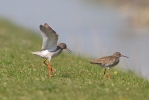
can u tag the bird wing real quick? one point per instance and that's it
(98, 61)
(108, 61)
(50, 37)
(104, 61)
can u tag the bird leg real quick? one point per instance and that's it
(108, 73)
(50, 70)
(45, 62)
(104, 73)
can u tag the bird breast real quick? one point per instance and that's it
(57, 52)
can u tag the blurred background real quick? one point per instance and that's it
(91, 28)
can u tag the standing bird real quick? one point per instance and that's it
(108, 62)
(50, 48)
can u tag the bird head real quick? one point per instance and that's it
(64, 46)
(118, 54)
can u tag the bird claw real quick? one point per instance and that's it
(104, 76)
(50, 76)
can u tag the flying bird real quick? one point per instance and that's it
(108, 62)
(50, 48)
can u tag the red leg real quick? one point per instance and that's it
(104, 73)
(109, 74)
(50, 70)
(45, 62)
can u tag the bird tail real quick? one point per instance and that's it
(37, 53)
(93, 62)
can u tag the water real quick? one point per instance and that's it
(88, 29)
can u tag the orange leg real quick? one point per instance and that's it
(50, 70)
(109, 74)
(45, 62)
(104, 73)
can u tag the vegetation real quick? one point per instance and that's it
(23, 76)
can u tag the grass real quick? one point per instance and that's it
(23, 76)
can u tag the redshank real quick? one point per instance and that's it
(108, 62)
(50, 48)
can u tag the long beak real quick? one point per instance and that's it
(69, 50)
(124, 56)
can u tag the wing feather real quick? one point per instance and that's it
(50, 37)
(105, 61)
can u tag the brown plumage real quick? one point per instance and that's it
(108, 61)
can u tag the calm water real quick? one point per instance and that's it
(91, 30)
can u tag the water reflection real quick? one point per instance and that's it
(90, 30)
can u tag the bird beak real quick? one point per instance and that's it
(124, 56)
(69, 50)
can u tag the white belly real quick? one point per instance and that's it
(44, 54)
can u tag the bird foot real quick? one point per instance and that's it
(50, 76)
(104, 76)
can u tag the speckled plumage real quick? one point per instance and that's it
(108, 61)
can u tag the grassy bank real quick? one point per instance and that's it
(24, 77)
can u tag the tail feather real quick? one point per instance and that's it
(93, 62)
(37, 53)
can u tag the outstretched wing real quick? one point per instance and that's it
(50, 37)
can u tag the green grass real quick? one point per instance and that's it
(23, 76)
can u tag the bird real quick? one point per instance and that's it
(108, 62)
(50, 48)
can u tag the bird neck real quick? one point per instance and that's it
(118, 59)
(57, 51)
